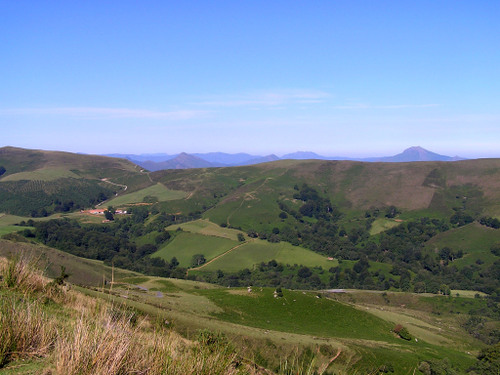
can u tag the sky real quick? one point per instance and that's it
(339, 78)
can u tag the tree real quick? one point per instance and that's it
(445, 289)
(391, 212)
(488, 360)
(304, 272)
(109, 215)
(252, 233)
(197, 260)
(402, 332)
(2, 170)
(241, 237)
(162, 237)
(279, 292)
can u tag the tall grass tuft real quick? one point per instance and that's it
(25, 330)
(103, 340)
(106, 345)
(95, 346)
(22, 273)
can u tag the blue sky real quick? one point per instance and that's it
(348, 78)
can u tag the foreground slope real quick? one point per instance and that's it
(340, 333)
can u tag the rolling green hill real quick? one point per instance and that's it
(38, 183)
(245, 196)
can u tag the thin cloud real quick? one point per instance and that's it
(389, 106)
(100, 112)
(268, 98)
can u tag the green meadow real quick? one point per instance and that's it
(382, 224)
(256, 251)
(185, 245)
(473, 239)
(157, 192)
(207, 228)
(4, 229)
(43, 174)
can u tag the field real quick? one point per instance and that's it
(474, 240)
(44, 174)
(4, 229)
(207, 228)
(10, 219)
(254, 252)
(156, 192)
(271, 327)
(185, 245)
(382, 224)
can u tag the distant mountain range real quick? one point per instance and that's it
(156, 162)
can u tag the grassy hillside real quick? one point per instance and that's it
(474, 240)
(47, 329)
(246, 196)
(151, 194)
(207, 228)
(81, 271)
(251, 254)
(185, 245)
(37, 183)
(332, 333)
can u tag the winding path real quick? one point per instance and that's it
(248, 194)
(125, 187)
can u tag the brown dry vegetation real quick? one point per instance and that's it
(359, 184)
(92, 336)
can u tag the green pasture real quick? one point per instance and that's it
(471, 238)
(6, 219)
(11, 228)
(185, 245)
(382, 224)
(253, 207)
(297, 312)
(257, 251)
(159, 191)
(474, 240)
(207, 228)
(467, 293)
(148, 238)
(44, 174)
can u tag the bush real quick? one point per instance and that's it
(402, 332)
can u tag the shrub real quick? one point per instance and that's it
(402, 332)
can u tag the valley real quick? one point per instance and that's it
(310, 262)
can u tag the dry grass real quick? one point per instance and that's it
(106, 345)
(22, 273)
(25, 330)
(98, 338)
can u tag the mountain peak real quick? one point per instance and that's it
(416, 153)
(416, 148)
